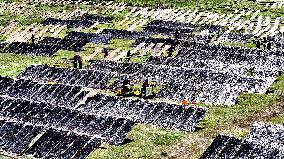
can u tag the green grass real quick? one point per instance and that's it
(12, 65)
(242, 133)
(99, 57)
(148, 142)
(278, 86)
(10, 1)
(120, 27)
(5, 157)
(139, 59)
(157, 88)
(120, 15)
(2, 38)
(211, 5)
(35, 15)
(277, 120)
(104, 26)
(121, 43)
(64, 32)
(175, 3)
(250, 44)
(218, 119)
(7, 17)
(87, 50)
(28, 20)
(40, 7)
(91, 48)
(247, 104)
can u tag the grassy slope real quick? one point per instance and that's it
(220, 119)
(147, 141)
(277, 119)
(12, 65)
(151, 142)
(174, 3)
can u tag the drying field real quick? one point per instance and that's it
(201, 52)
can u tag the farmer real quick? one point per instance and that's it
(125, 86)
(177, 35)
(33, 40)
(170, 51)
(144, 87)
(264, 42)
(77, 59)
(268, 45)
(105, 51)
(128, 55)
(257, 43)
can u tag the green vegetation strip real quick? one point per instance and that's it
(277, 119)
(148, 141)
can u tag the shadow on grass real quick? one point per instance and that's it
(198, 128)
(127, 141)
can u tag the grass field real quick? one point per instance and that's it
(146, 141)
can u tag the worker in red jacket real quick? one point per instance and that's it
(184, 102)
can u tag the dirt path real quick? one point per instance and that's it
(264, 115)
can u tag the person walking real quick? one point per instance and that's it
(33, 40)
(80, 62)
(77, 60)
(105, 51)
